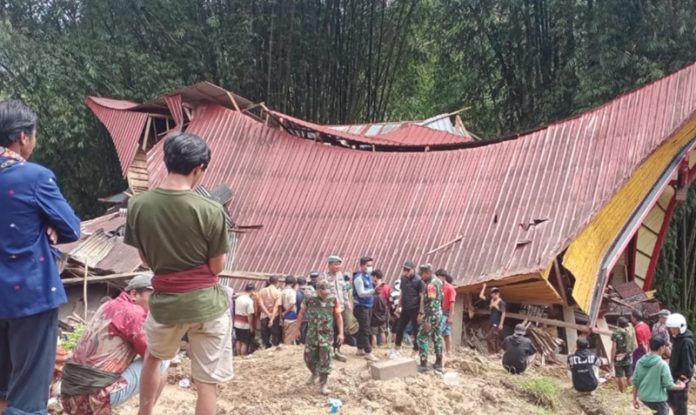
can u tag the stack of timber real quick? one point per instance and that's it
(545, 344)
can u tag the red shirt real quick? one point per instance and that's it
(385, 291)
(642, 334)
(450, 296)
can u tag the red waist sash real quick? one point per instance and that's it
(185, 281)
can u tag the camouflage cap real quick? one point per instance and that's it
(425, 268)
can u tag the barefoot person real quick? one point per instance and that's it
(323, 313)
(182, 237)
(34, 216)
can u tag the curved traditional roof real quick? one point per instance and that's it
(503, 210)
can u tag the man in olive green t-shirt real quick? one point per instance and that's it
(182, 237)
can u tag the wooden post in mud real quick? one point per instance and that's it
(458, 320)
(571, 333)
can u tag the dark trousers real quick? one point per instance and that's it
(407, 316)
(658, 408)
(271, 335)
(303, 332)
(679, 401)
(364, 317)
(493, 340)
(27, 358)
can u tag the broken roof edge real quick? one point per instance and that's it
(524, 288)
(197, 93)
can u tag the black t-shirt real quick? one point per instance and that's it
(411, 288)
(497, 313)
(517, 351)
(581, 365)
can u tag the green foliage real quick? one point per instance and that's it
(69, 340)
(675, 276)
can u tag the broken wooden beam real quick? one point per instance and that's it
(550, 322)
(104, 278)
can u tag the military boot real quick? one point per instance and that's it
(312, 379)
(323, 387)
(438, 364)
(423, 368)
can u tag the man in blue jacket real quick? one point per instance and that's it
(363, 291)
(35, 215)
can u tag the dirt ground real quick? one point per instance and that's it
(272, 382)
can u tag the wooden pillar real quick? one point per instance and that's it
(458, 320)
(604, 339)
(571, 334)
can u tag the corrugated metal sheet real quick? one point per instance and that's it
(406, 135)
(125, 127)
(416, 135)
(441, 122)
(515, 204)
(176, 109)
(201, 93)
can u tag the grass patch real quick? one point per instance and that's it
(544, 392)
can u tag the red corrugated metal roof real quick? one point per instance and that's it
(517, 204)
(407, 135)
(402, 131)
(125, 127)
(415, 135)
(176, 109)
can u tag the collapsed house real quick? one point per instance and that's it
(553, 217)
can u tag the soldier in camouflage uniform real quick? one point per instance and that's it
(429, 319)
(321, 309)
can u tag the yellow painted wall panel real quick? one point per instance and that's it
(654, 219)
(642, 263)
(646, 240)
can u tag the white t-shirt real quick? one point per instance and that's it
(290, 301)
(243, 307)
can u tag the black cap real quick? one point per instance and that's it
(409, 265)
(313, 275)
(495, 290)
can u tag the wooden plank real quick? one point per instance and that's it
(234, 101)
(458, 319)
(571, 333)
(550, 322)
(604, 337)
(559, 281)
(446, 244)
(104, 278)
(147, 132)
(256, 276)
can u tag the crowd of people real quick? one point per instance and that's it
(372, 313)
(128, 344)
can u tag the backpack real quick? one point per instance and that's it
(380, 311)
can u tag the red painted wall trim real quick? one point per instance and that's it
(655, 257)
